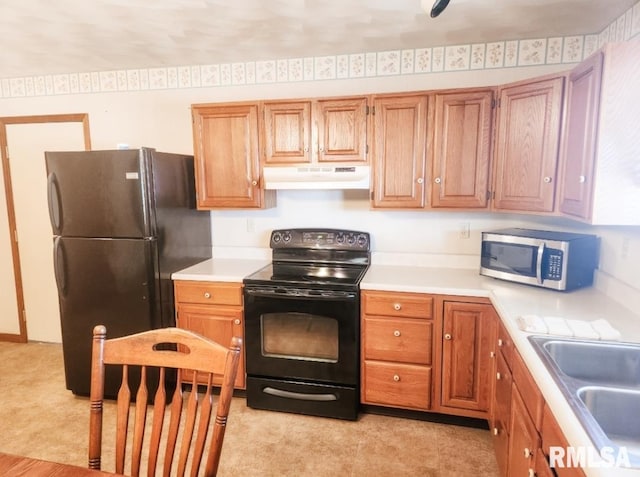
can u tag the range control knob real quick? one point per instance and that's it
(287, 237)
(276, 237)
(340, 238)
(351, 239)
(362, 240)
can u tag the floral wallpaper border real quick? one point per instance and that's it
(502, 54)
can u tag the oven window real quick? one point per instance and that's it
(302, 336)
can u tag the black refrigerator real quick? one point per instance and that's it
(123, 221)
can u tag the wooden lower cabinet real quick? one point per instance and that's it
(501, 413)
(214, 310)
(524, 440)
(397, 356)
(468, 341)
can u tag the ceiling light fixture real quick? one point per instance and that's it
(438, 7)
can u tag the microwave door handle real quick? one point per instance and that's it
(539, 263)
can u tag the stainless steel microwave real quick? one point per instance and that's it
(557, 260)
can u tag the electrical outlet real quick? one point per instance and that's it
(465, 230)
(250, 225)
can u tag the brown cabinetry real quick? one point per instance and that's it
(468, 340)
(323, 130)
(397, 339)
(599, 153)
(227, 161)
(527, 144)
(399, 151)
(214, 310)
(461, 148)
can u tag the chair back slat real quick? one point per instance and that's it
(159, 403)
(140, 419)
(122, 419)
(189, 410)
(203, 427)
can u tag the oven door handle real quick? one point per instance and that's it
(300, 293)
(299, 396)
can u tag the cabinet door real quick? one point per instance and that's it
(342, 129)
(501, 413)
(227, 164)
(287, 132)
(217, 323)
(468, 335)
(400, 125)
(524, 441)
(527, 143)
(580, 137)
(461, 149)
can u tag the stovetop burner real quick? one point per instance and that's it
(323, 258)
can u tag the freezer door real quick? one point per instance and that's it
(103, 281)
(99, 193)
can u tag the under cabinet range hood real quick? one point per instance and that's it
(316, 177)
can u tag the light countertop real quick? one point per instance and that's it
(510, 301)
(220, 270)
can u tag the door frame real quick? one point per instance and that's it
(6, 172)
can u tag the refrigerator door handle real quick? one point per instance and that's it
(59, 266)
(55, 208)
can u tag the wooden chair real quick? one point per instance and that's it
(189, 414)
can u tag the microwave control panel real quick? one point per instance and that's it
(554, 264)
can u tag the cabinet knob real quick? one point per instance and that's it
(492, 354)
(396, 378)
(547, 180)
(236, 321)
(321, 148)
(582, 179)
(207, 295)
(527, 453)
(306, 149)
(495, 431)
(420, 180)
(531, 473)
(500, 343)
(396, 333)
(397, 306)
(498, 376)
(437, 180)
(447, 336)
(254, 183)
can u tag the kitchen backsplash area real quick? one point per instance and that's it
(430, 239)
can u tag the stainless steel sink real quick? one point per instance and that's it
(601, 381)
(608, 363)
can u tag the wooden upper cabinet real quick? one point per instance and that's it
(527, 144)
(399, 155)
(579, 145)
(324, 130)
(287, 132)
(600, 179)
(342, 129)
(461, 148)
(227, 161)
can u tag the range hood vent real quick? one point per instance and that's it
(316, 177)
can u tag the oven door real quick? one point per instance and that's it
(302, 334)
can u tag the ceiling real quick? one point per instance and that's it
(43, 37)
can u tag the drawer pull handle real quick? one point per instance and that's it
(396, 333)
(495, 431)
(207, 295)
(236, 321)
(397, 306)
(527, 453)
(448, 336)
(396, 378)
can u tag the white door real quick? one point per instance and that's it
(27, 143)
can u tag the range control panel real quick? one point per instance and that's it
(326, 239)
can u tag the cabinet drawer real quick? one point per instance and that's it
(407, 305)
(399, 385)
(529, 391)
(209, 293)
(404, 340)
